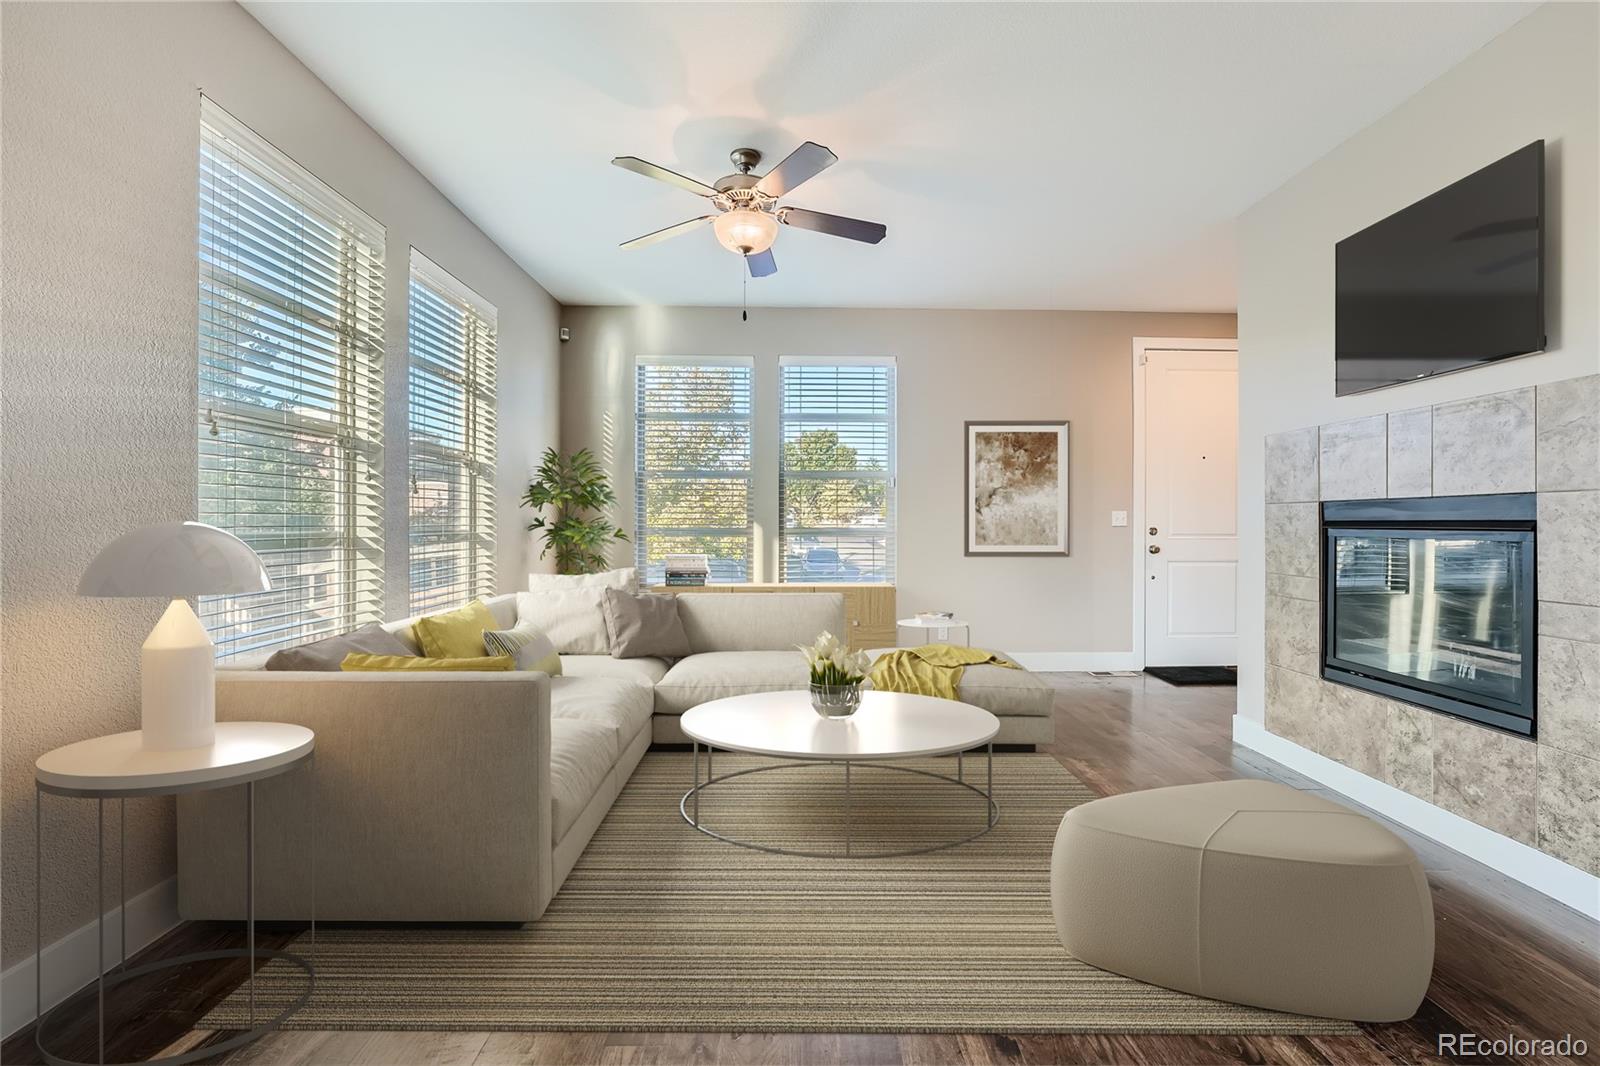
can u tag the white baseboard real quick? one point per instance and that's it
(70, 963)
(1076, 660)
(1561, 882)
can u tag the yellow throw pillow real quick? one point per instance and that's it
(361, 661)
(456, 634)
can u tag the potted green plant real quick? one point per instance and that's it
(578, 528)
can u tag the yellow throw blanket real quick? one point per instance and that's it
(931, 670)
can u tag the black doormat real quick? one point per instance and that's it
(1195, 675)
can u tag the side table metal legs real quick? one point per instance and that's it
(122, 973)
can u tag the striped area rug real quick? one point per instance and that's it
(662, 928)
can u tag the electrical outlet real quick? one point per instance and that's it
(1119, 518)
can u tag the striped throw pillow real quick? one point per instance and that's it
(527, 644)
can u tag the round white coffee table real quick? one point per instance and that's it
(889, 725)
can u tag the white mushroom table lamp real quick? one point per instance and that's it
(177, 671)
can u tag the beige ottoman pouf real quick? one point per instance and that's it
(1247, 891)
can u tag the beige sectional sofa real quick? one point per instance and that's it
(470, 796)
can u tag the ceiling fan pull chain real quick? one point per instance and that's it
(744, 294)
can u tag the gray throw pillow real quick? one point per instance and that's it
(644, 624)
(329, 652)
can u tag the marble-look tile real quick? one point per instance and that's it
(1292, 466)
(1297, 588)
(1570, 620)
(1568, 434)
(1485, 776)
(1569, 696)
(1569, 808)
(1408, 749)
(1354, 458)
(1292, 539)
(1484, 444)
(1356, 727)
(1569, 547)
(1293, 634)
(1293, 711)
(1411, 453)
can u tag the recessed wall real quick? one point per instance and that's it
(952, 366)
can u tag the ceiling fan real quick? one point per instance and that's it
(748, 214)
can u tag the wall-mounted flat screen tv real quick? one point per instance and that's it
(1451, 282)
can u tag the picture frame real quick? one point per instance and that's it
(1017, 498)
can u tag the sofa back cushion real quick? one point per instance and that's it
(758, 621)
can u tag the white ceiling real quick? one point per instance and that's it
(1022, 156)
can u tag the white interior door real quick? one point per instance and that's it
(1191, 514)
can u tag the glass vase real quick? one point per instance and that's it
(836, 701)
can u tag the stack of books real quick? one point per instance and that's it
(686, 571)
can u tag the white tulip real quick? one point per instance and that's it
(827, 644)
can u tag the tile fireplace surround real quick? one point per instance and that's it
(1546, 439)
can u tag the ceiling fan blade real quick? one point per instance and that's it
(801, 165)
(670, 231)
(761, 264)
(650, 170)
(833, 225)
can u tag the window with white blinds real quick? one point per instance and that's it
(836, 469)
(451, 336)
(291, 346)
(692, 463)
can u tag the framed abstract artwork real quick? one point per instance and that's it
(1018, 491)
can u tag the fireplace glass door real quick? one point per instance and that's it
(1443, 618)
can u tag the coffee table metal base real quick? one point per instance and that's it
(689, 806)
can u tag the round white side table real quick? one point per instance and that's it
(118, 767)
(942, 629)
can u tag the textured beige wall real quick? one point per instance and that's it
(953, 366)
(100, 141)
(1538, 79)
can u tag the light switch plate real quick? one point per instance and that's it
(1119, 518)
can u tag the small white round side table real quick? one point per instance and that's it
(118, 767)
(941, 628)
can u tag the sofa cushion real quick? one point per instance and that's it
(625, 578)
(646, 671)
(1000, 690)
(758, 621)
(580, 759)
(571, 618)
(456, 634)
(526, 643)
(621, 706)
(329, 652)
(715, 674)
(643, 624)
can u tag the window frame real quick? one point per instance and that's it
(290, 310)
(889, 476)
(643, 531)
(475, 460)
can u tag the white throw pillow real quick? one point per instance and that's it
(572, 618)
(528, 644)
(624, 579)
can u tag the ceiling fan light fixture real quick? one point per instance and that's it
(745, 230)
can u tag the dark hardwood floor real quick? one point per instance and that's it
(1509, 962)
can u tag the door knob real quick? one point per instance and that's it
(1155, 549)
(1153, 531)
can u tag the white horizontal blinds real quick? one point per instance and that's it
(692, 463)
(836, 469)
(290, 404)
(451, 336)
